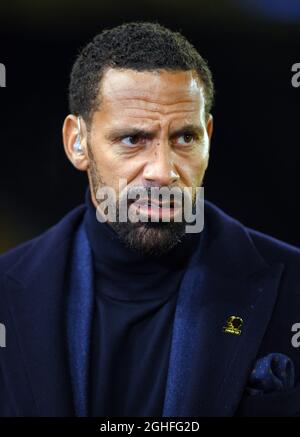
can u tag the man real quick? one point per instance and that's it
(111, 317)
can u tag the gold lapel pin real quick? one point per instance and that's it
(233, 325)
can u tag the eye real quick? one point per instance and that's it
(131, 140)
(186, 139)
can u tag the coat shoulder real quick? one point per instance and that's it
(54, 235)
(270, 248)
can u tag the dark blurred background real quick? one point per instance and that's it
(250, 46)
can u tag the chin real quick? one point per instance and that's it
(151, 238)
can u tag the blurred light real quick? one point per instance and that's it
(279, 10)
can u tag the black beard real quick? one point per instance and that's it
(150, 238)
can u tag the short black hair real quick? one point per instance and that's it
(140, 46)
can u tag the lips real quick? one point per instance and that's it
(147, 202)
(166, 211)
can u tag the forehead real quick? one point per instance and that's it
(160, 91)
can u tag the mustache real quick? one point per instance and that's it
(153, 191)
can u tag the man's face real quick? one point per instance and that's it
(151, 130)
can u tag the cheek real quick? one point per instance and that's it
(198, 174)
(193, 169)
(112, 168)
(200, 163)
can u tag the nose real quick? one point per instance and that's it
(160, 170)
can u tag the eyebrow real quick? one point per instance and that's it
(188, 128)
(120, 132)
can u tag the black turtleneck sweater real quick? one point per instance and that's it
(135, 301)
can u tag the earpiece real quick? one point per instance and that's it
(77, 147)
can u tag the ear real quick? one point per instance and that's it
(209, 126)
(70, 133)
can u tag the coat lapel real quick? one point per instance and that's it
(37, 298)
(208, 368)
(79, 319)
